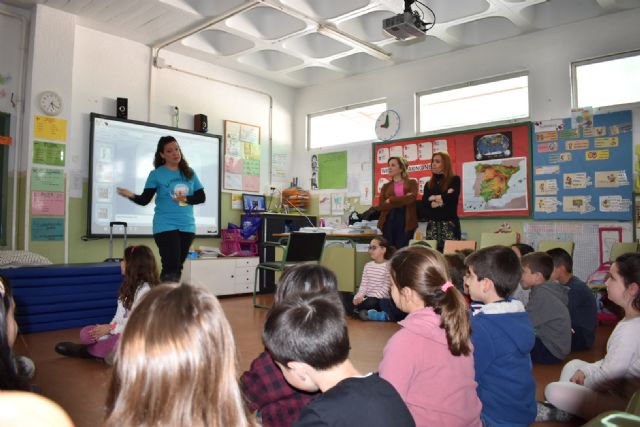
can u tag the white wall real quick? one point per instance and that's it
(547, 55)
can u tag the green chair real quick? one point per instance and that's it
(633, 407)
(297, 248)
(545, 245)
(620, 248)
(493, 239)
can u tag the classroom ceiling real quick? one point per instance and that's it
(306, 42)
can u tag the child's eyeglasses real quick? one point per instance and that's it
(373, 248)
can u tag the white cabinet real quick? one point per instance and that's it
(221, 276)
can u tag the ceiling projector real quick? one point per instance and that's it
(405, 26)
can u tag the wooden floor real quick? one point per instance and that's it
(80, 386)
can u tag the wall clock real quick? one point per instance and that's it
(387, 125)
(50, 103)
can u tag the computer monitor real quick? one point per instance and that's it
(254, 203)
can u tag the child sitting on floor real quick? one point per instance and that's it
(430, 360)
(502, 339)
(263, 385)
(307, 338)
(373, 293)
(176, 364)
(99, 341)
(548, 309)
(588, 389)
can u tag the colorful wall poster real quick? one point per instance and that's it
(594, 168)
(47, 229)
(241, 156)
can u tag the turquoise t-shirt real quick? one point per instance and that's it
(171, 215)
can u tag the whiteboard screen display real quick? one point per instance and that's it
(121, 155)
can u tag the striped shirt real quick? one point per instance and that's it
(375, 280)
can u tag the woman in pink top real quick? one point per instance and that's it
(430, 361)
(398, 218)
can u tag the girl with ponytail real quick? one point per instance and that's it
(430, 361)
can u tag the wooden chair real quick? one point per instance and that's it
(450, 246)
(299, 248)
(545, 245)
(620, 248)
(493, 239)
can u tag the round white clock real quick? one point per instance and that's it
(50, 103)
(387, 125)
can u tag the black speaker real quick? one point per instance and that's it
(122, 108)
(200, 123)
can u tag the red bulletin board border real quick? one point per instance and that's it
(460, 148)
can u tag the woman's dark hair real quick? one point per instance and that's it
(425, 271)
(9, 377)
(447, 173)
(384, 243)
(140, 268)
(457, 269)
(159, 161)
(629, 268)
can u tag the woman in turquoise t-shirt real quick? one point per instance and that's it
(178, 188)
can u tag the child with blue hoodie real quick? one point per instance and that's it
(502, 338)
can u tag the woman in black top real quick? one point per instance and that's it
(440, 201)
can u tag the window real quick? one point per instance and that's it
(489, 101)
(347, 125)
(606, 81)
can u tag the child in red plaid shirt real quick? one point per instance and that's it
(263, 385)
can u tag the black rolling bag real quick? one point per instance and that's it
(124, 226)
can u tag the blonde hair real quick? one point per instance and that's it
(404, 165)
(176, 364)
(425, 271)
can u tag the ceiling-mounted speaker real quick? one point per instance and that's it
(200, 123)
(122, 108)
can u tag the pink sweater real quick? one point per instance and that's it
(438, 388)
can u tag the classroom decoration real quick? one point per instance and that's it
(583, 172)
(586, 236)
(332, 169)
(241, 156)
(492, 164)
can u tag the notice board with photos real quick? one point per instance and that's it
(583, 167)
(492, 163)
(241, 156)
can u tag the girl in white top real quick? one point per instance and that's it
(140, 274)
(375, 283)
(588, 389)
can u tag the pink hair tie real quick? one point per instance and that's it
(446, 286)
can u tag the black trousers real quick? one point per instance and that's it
(174, 247)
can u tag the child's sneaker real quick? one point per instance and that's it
(25, 367)
(363, 315)
(547, 412)
(379, 316)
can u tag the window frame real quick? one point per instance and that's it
(471, 83)
(337, 110)
(596, 60)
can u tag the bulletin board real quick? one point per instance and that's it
(582, 169)
(493, 165)
(241, 156)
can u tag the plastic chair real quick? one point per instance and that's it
(299, 248)
(620, 248)
(493, 239)
(633, 407)
(450, 246)
(614, 418)
(433, 244)
(545, 245)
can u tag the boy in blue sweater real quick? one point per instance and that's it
(502, 339)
